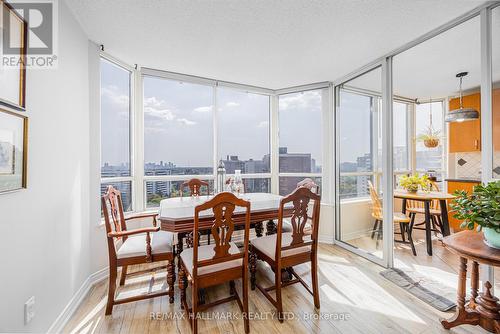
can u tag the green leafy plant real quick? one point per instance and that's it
(481, 208)
(413, 182)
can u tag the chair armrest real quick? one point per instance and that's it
(145, 215)
(132, 232)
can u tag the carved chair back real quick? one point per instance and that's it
(310, 184)
(114, 219)
(194, 186)
(305, 217)
(377, 212)
(223, 208)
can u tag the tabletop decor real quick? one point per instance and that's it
(221, 177)
(480, 210)
(411, 183)
(13, 149)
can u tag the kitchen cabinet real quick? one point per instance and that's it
(454, 185)
(466, 136)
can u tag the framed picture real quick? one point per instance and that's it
(12, 68)
(13, 151)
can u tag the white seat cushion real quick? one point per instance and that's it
(207, 252)
(135, 245)
(267, 245)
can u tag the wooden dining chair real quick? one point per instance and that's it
(309, 184)
(209, 265)
(414, 208)
(195, 187)
(285, 250)
(128, 247)
(399, 218)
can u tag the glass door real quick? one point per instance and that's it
(361, 221)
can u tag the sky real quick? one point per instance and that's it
(178, 122)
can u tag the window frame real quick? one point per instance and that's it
(132, 126)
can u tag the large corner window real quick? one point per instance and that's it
(300, 137)
(115, 134)
(178, 135)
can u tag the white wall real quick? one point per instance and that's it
(44, 230)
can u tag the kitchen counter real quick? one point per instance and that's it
(464, 179)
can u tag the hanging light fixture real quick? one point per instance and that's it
(462, 114)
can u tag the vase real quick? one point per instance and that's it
(412, 190)
(491, 237)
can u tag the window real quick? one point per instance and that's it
(356, 125)
(429, 159)
(158, 190)
(178, 127)
(401, 150)
(300, 136)
(115, 137)
(243, 131)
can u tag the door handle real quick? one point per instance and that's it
(476, 144)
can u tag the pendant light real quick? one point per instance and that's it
(462, 114)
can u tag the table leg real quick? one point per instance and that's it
(428, 238)
(462, 316)
(474, 279)
(271, 227)
(403, 206)
(444, 218)
(259, 228)
(180, 247)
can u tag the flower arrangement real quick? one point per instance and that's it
(480, 210)
(430, 137)
(413, 182)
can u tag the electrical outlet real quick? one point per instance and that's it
(29, 310)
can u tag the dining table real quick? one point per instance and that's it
(427, 197)
(177, 215)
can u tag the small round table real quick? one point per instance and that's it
(482, 309)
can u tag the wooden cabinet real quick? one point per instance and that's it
(496, 119)
(466, 136)
(452, 187)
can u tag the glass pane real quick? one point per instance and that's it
(495, 20)
(158, 190)
(243, 125)
(400, 136)
(257, 185)
(354, 186)
(115, 120)
(289, 183)
(300, 131)
(178, 128)
(360, 132)
(125, 189)
(428, 158)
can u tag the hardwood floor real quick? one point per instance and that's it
(354, 299)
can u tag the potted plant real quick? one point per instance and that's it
(413, 182)
(480, 210)
(430, 137)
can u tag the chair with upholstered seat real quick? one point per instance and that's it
(285, 250)
(398, 218)
(128, 247)
(209, 265)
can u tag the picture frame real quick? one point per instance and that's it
(13, 80)
(13, 151)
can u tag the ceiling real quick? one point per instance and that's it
(272, 44)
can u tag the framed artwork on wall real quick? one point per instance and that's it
(13, 151)
(12, 67)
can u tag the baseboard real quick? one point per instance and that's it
(63, 318)
(326, 239)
